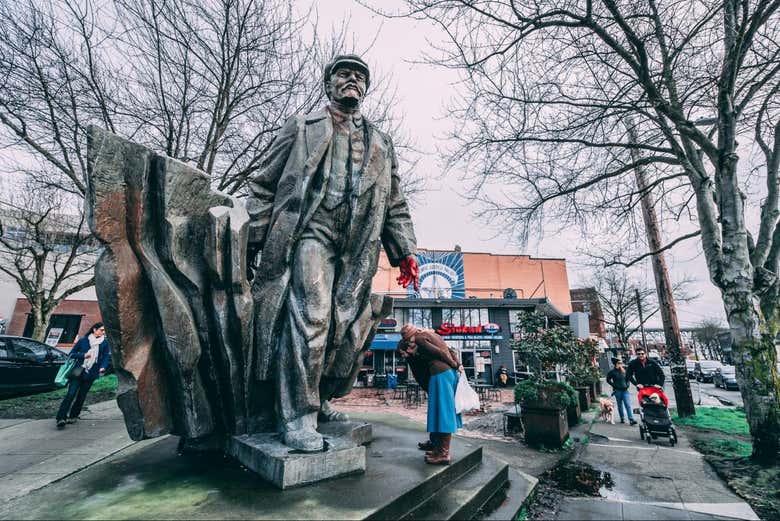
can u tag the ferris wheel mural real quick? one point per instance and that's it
(441, 275)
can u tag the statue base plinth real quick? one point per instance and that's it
(360, 432)
(265, 454)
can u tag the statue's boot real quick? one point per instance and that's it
(328, 414)
(301, 434)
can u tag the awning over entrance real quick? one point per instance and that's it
(385, 341)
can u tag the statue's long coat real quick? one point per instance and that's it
(283, 200)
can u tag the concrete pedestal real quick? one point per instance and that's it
(265, 454)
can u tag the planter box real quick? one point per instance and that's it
(584, 398)
(593, 394)
(545, 427)
(573, 414)
(599, 390)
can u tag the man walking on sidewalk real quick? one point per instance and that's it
(647, 375)
(617, 379)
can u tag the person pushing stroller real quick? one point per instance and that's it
(647, 376)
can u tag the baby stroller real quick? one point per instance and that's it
(655, 422)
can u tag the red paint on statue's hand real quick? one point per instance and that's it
(410, 272)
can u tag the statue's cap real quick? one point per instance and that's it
(347, 60)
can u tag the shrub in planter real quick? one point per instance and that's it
(582, 370)
(544, 402)
(547, 394)
(573, 414)
(584, 397)
(544, 405)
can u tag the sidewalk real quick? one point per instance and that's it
(652, 481)
(34, 453)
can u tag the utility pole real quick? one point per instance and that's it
(641, 319)
(663, 285)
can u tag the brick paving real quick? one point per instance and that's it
(487, 425)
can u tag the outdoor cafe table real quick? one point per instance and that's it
(482, 390)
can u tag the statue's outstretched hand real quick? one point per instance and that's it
(410, 272)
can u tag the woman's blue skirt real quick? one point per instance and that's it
(441, 403)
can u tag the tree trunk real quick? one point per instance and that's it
(755, 359)
(40, 322)
(663, 285)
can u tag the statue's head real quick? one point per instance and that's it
(346, 79)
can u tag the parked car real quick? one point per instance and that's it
(705, 369)
(690, 365)
(726, 377)
(27, 366)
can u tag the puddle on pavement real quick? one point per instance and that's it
(580, 478)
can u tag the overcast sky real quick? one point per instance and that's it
(444, 218)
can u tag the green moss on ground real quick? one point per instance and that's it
(722, 419)
(759, 485)
(45, 405)
(722, 436)
(723, 447)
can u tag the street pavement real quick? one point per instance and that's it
(652, 481)
(34, 453)
(704, 394)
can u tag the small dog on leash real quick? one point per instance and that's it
(607, 410)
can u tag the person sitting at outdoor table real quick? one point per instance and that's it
(647, 376)
(436, 370)
(502, 376)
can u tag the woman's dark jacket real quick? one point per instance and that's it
(648, 374)
(104, 356)
(617, 379)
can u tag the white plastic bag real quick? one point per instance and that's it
(466, 398)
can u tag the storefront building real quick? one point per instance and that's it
(462, 297)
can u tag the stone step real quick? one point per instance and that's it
(515, 497)
(462, 499)
(421, 490)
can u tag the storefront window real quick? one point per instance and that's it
(520, 366)
(514, 322)
(465, 317)
(476, 358)
(418, 317)
(388, 362)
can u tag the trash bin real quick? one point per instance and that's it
(392, 381)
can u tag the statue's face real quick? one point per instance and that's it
(347, 86)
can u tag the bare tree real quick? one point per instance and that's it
(621, 296)
(707, 334)
(209, 83)
(694, 77)
(48, 253)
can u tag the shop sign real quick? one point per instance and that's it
(53, 338)
(485, 354)
(447, 328)
(388, 323)
(492, 329)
